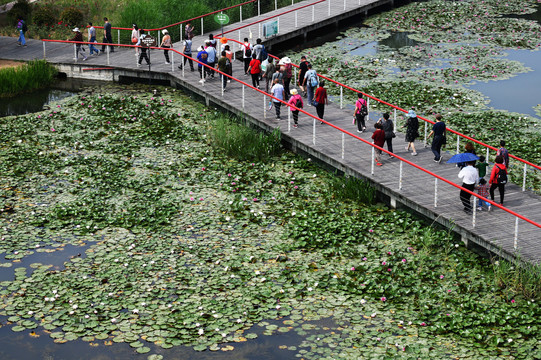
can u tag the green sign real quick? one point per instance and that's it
(221, 19)
(270, 28)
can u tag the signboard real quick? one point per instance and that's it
(147, 40)
(221, 19)
(270, 28)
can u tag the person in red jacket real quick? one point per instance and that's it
(498, 178)
(379, 139)
(255, 70)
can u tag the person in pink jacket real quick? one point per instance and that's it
(295, 100)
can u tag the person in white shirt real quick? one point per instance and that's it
(277, 91)
(469, 176)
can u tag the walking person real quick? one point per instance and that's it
(223, 65)
(167, 44)
(388, 127)
(438, 130)
(213, 41)
(258, 50)
(246, 48)
(482, 166)
(360, 113)
(107, 35)
(468, 148)
(255, 70)
(202, 58)
(295, 100)
(482, 189)
(22, 28)
(504, 153)
(135, 34)
(303, 68)
(92, 39)
(187, 50)
(188, 31)
(78, 47)
(469, 176)
(143, 53)
(378, 138)
(288, 74)
(229, 55)
(498, 178)
(412, 131)
(211, 58)
(268, 74)
(321, 99)
(277, 91)
(310, 81)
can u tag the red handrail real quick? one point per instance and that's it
(405, 111)
(185, 21)
(324, 121)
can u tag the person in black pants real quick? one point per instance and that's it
(107, 36)
(438, 130)
(388, 128)
(494, 181)
(143, 54)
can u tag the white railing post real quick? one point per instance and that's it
(275, 4)
(278, 25)
(258, 8)
(240, 14)
(44, 53)
(296, 19)
(524, 178)
(329, 12)
(515, 241)
(457, 144)
(425, 133)
(184, 66)
(368, 109)
(118, 38)
(202, 32)
(341, 97)
(373, 160)
(243, 96)
(288, 109)
(435, 192)
(344, 4)
(313, 13)
(173, 61)
(74, 53)
(314, 132)
(400, 176)
(222, 83)
(474, 211)
(264, 107)
(343, 145)
(159, 38)
(488, 154)
(180, 32)
(394, 118)
(259, 30)
(108, 57)
(292, 2)
(295, 76)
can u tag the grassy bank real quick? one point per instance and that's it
(36, 74)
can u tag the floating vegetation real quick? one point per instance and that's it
(36, 74)
(189, 247)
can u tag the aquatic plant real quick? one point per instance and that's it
(35, 74)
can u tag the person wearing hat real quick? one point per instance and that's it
(412, 131)
(166, 44)
(295, 100)
(78, 47)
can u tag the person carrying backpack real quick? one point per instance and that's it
(504, 153)
(260, 51)
(246, 54)
(21, 26)
(295, 100)
(498, 178)
(310, 81)
(361, 112)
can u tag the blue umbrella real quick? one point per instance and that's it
(462, 158)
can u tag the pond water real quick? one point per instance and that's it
(33, 102)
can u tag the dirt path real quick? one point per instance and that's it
(10, 63)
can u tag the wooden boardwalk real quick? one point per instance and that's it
(493, 231)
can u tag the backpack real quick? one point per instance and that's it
(263, 55)
(25, 28)
(288, 70)
(298, 103)
(313, 80)
(247, 51)
(364, 109)
(501, 176)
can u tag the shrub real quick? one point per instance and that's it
(72, 16)
(351, 188)
(243, 143)
(43, 15)
(35, 75)
(21, 9)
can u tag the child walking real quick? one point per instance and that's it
(482, 189)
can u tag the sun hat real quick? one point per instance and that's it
(411, 114)
(76, 29)
(294, 92)
(164, 31)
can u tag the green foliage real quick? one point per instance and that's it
(242, 143)
(36, 74)
(518, 278)
(21, 9)
(43, 16)
(72, 16)
(351, 188)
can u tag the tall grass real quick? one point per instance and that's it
(34, 75)
(518, 277)
(243, 143)
(351, 188)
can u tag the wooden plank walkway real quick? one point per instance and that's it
(493, 231)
